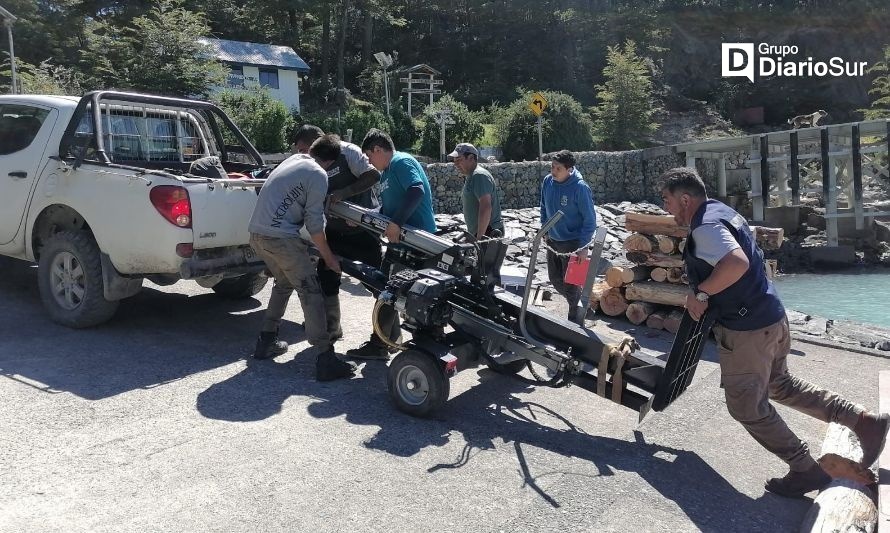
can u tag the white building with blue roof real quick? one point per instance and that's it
(277, 68)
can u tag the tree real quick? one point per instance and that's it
(565, 126)
(263, 119)
(880, 88)
(624, 114)
(44, 78)
(157, 52)
(467, 127)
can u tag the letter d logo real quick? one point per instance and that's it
(738, 60)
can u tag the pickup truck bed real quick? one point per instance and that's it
(98, 192)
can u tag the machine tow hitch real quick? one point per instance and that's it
(458, 319)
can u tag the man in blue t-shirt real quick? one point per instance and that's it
(565, 190)
(406, 198)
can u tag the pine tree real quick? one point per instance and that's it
(880, 89)
(623, 118)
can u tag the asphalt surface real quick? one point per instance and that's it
(157, 422)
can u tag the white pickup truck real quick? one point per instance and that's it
(101, 192)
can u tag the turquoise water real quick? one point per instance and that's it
(860, 297)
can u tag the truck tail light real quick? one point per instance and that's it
(172, 202)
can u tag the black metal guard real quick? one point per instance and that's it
(683, 360)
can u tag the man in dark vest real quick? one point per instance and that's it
(727, 277)
(350, 178)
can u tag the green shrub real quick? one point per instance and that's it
(566, 126)
(467, 127)
(263, 119)
(362, 118)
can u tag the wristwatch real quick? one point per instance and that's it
(701, 296)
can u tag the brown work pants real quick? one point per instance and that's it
(754, 370)
(288, 260)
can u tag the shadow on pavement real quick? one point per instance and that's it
(155, 338)
(489, 413)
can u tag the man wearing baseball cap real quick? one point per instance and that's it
(481, 206)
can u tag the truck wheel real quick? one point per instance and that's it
(240, 287)
(70, 279)
(417, 384)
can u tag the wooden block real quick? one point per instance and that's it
(654, 225)
(657, 293)
(844, 506)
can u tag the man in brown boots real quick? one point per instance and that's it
(727, 277)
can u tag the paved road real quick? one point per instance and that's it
(156, 422)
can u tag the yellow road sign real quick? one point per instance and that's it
(538, 104)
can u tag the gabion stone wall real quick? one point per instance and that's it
(613, 177)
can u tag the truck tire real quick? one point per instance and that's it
(240, 287)
(69, 275)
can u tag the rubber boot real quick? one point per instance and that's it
(332, 314)
(268, 345)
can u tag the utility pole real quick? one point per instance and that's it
(8, 20)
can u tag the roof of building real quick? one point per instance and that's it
(423, 67)
(255, 54)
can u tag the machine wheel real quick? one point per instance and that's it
(509, 369)
(417, 384)
(70, 279)
(240, 287)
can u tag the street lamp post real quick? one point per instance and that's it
(385, 61)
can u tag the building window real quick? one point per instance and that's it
(269, 78)
(236, 76)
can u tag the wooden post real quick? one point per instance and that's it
(764, 169)
(690, 159)
(756, 184)
(829, 177)
(795, 170)
(857, 178)
(721, 177)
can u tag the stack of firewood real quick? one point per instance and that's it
(650, 286)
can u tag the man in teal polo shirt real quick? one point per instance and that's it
(405, 198)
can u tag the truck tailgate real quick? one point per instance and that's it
(220, 214)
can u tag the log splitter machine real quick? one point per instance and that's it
(436, 283)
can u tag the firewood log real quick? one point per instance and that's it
(638, 312)
(613, 303)
(657, 293)
(673, 320)
(654, 225)
(617, 276)
(655, 259)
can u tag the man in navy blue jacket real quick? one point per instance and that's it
(565, 190)
(727, 278)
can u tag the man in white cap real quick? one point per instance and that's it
(481, 206)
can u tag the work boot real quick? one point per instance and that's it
(332, 316)
(369, 350)
(329, 367)
(872, 432)
(796, 484)
(268, 345)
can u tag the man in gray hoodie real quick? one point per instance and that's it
(293, 198)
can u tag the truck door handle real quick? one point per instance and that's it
(18, 174)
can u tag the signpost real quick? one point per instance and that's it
(537, 105)
(8, 19)
(443, 117)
